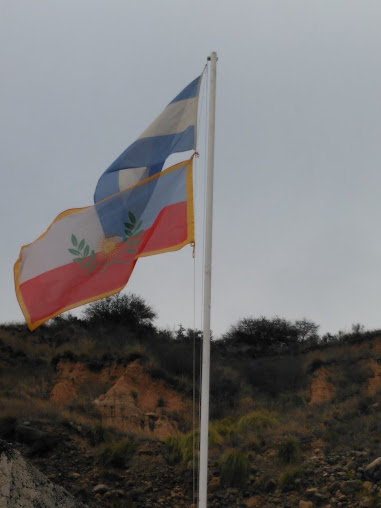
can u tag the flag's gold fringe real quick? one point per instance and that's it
(190, 239)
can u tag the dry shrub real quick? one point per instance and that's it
(287, 478)
(100, 434)
(276, 375)
(117, 454)
(27, 346)
(288, 452)
(290, 401)
(223, 432)
(256, 420)
(235, 469)
(225, 391)
(180, 448)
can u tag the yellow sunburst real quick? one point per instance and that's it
(109, 246)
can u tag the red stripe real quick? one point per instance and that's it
(70, 285)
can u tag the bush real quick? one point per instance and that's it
(225, 388)
(157, 372)
(290, 401)
(117, 454)
(120, 309)
(316, 364)
(178, 360)
(99, 434)
(268, 336)
(287, 479)
(222, 432)
(180, 448)
(136, 352)
(256, 420)
(274, 376)
(288, 452)
(235, 468)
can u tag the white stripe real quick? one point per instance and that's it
(175, 118)
(170, 189)
(131, 176)
(51, 251)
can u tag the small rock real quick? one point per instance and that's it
(348, 487)
(305, 504)
(214, 484)
(334, 486)
(254, 501)
(114, 493)
(318, 498)
(101, 488)
(311, 492)
(368, 486)
(373, 470)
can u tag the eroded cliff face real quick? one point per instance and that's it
(131, 400)
(321, 389)
(23, 486)
(374, 384)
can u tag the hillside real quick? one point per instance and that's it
(103, 407)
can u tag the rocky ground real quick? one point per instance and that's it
(351, 479)
(23, 486)
(53, 401)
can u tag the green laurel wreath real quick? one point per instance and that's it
(81, 252)
(132, 230)
(86, 257)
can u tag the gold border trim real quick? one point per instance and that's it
(190, 239)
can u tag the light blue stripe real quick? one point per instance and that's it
(107, 185)
(189, 91)
(149, 151)
(144, 201)
(145, 152)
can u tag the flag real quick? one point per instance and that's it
(174, 130)
(89, 253)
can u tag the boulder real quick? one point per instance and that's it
(38, 441)
(373, 470)
(23, 486)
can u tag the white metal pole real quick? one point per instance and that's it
(204, 425)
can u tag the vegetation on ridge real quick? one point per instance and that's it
(280, 393)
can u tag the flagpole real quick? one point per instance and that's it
(204, 425)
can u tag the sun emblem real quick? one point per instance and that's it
(109, 247)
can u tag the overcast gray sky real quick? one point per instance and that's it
(298, 152)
